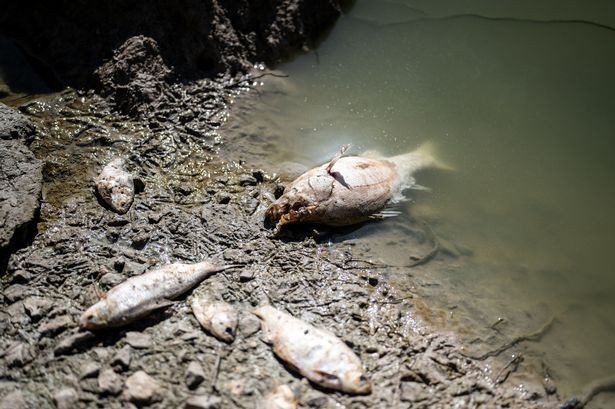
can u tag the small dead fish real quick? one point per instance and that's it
(116, 186)
(217, 317)
(348, 190)
(315, 353)
(142, 294)
(282, 397)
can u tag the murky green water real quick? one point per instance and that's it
(522, 104)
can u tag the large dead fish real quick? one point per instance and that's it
(315, 353)
(140, 295)
(116, 186)
(217, 317)
(348, 190)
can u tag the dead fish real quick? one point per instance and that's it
(140, 295)
(217, 317)
(348, 190)
(315, 353)
(282, 397)
(116, 186)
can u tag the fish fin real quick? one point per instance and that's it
(99, 292)
(385, 214)
(328, 379)
(427, 150)
(420, 187)
(337, 156)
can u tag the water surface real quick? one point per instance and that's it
(520, 99)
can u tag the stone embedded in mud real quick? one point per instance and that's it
(18, 355)
(109, 382)
(16, 292)
(66, 398)
(194, 375)
(72, 341)
(20, 191)
(13, 124)
(14, 400)
(142, 388)
(122, 358)
(37, 307)
(203, 402)
(89, 370)
(55, 326)
(138, 339)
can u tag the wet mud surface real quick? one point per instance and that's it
(202, 189)
(193, 204)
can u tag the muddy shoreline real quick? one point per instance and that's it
(198, 200)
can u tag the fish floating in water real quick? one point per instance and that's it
(348, 190)
(116, 186)
(218, 318)
(315, 353)
(142, 294)
(282, 397)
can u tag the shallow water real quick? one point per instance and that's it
(519, 100)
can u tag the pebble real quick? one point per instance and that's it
(138, 339)
(55, 326)
(142, 388)
(89, 370)
(223, 198)
(247, 180)
(14, 400)
(109, 382)
(16, 292)
(140, 240)
(194, 375)
(21, 276)
(66, 398)
(72, 341)
(246, 275)
(18, 355)
(111, 279)
(37, 307)
(122, 358)
(203, 402)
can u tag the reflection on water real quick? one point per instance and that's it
(521, 103)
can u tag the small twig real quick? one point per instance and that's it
(533, 336)
(509, 368)
(216, 370)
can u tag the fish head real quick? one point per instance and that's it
(356, 382)
(96, 317)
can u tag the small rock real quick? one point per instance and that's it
(246, 275)
(55, 326)
(109, 382)
(18, 355)
(184, 190)
(21, 276)
(203, 402)
(259, 175)
(89, 370)
(223, 197)
(194, 375)
(122, 358)
(66, 398)
(154, 218)
(118, 265)
(118, 221)
(111, 279)
(14, 400)
(72, 341)
(140, 387)
(248, 325)
(247, 180)
(16, 292)
(140, 240)
(37, 307)
(138, 339)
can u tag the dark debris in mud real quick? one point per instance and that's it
(194, 205)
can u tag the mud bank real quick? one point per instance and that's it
(192, 204)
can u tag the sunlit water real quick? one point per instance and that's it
(522, 104)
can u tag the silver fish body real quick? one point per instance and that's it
(139, 295)
(315, 353)
(218, 318)
(116, 186)
(347, 190)
(282, 397)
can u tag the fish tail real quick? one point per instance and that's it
(424, 157)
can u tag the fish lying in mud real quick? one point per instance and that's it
(142, 294)
(116, 186)
(315, 353)
(218, 318)
(282, 397)
(348, 190)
